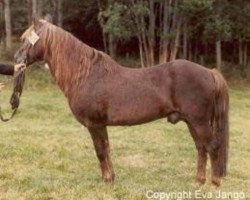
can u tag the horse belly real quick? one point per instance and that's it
(137, 111)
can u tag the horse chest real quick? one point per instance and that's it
(88, 111)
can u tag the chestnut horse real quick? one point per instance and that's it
(101, 92)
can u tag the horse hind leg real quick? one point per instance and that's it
(210, 145)
(101, 143)
(213, 150)
(201, 157)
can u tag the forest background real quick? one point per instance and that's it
(142, 33)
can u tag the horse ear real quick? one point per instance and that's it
(36, 23)
(48, 18)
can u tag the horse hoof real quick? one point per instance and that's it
(216, 181)
(109, 178)
(201, 180)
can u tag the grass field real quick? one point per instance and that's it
(46, 154)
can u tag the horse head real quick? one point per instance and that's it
(32, 48)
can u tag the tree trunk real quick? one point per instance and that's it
(29, 2)
(139, 35)
(59, 13)
(240, 52)
(245, 59)
(190, 53)
(173, 29)
(105, 43)
(242, 57)
(164, 42)
(1, 10)
(7, 17)
(202, 62)
(1, 19)
(146, 34)
(101, 22)
(34, 8)
(141, 52)
(40, 9)
(111, 46)
(151, 37)
(195, 55)
(184, 56)
(144, 40)
(175, 47)
(218, 55)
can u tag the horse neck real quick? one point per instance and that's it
(69, 69)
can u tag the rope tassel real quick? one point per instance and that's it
(19, 80)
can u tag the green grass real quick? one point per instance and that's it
(46, 154)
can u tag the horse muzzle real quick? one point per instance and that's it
(20, 58)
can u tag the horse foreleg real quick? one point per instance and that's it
(201, 158)
(101, 143)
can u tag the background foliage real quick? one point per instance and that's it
(135, 29)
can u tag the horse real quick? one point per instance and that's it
(102, 93)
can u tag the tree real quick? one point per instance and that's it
(218, 27)
(194, 16)
(116, 24)
(34, 8)
(58, 17)
(171, 21)
(39, 13)
(7, 18)
(59, 13)
(165, 10)
(241, 30)
(2, 23)
(157, 31)
(101, 21)
(175, 30)
(141, 12)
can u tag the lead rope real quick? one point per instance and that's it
(19, 79)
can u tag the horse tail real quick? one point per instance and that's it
(220, 120)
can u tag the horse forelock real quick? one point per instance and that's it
(27, 33)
